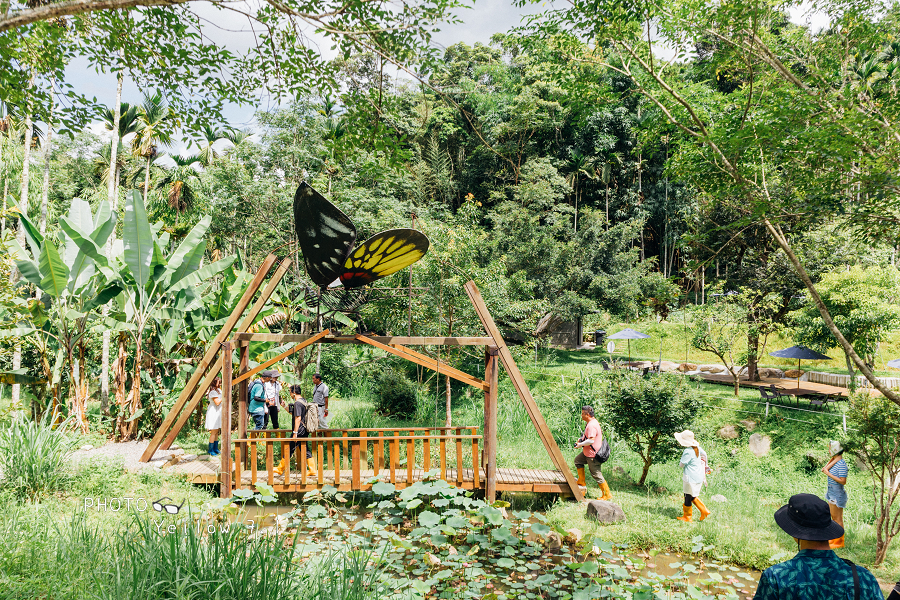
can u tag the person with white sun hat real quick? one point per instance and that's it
(693, 461)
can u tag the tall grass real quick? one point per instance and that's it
(33, 456)
(186, 565)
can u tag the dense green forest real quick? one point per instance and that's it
(542, 168)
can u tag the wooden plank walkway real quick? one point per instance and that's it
(203, 471)
(805, 387)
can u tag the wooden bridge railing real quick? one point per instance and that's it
(360, 453)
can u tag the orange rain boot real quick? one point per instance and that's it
(688, 514)
(704, 512)
(279, 470)
(838, 543)
(310, 470)
(581, 482)
(604, 487)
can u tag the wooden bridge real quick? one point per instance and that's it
(350, 459)
(353, 459)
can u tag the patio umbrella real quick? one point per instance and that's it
(800, 353)
(628, 334)
(894, 364)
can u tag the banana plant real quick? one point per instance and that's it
(73, 285)
(157, 290)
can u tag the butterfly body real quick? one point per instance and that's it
(328, 241)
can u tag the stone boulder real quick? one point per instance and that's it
(794, 373)
(760, 444)
(711, 369)
(771, 372)
(748, 424)
(685, 367)
(729, 432)
(667, 366)
(604, 511)
(574, 535)
(553, 541)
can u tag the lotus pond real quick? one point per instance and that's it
(432, 540)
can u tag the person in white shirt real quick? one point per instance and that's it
(214, 415)
(273, 398)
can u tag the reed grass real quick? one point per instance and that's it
(33, 457)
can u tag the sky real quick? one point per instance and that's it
(484, 19)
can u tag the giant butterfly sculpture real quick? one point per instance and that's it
(328, 241)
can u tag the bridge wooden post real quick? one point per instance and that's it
(225, 474)
(243, 367)
(491, 375)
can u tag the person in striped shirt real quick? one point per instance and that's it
(836, 494)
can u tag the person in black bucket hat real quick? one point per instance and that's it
(816, 572)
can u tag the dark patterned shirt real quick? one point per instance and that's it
(815, 575)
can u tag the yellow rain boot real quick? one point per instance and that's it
(704, 512)
(688, 513)
(838, 543)
(581, 481)
(311, 470)
(279, 470)
(604, 487)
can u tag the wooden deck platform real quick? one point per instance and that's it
(205, 471)
(806, 388)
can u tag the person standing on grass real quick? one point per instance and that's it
(816, 571)
(590, 442)
(273, 399)
(320, 399)
(214, 415)
(693, 462)
(895, 593)
(835, 494)
(257, 406)
(298, 408)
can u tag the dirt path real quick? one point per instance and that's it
(129, 453)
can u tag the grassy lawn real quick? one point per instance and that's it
(741, 529)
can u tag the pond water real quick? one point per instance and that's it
(671, 572)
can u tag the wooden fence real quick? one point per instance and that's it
(361, 455)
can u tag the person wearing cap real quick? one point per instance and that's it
(590, 442)
(816, 571)
(835, 494)
(693, 462)
(320, 399)
(273, 399)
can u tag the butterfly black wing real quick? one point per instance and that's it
(326, 235)
(383, 254)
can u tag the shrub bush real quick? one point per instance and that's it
(334, 372)
(395, 394)
(33, 456)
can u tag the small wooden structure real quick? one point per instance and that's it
(351, 459)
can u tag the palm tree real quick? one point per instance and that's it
(101, 162)
(207, 154)
(175, 184)
(153, 116)
(237, 137)
(128, 124)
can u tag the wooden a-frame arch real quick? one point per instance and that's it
(496, 351)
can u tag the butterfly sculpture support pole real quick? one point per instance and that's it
(522, 389)
(246, 323)
(209, 357)
(225, 474)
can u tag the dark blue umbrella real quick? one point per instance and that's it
(800, 353)
(628, 334)
(894, 364)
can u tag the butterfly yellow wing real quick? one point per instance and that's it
(383, 254)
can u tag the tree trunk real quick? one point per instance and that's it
(135, 395)
(826, 316)
(851, 383)
(147, 180)
(753, 355)
(48, 146)
(20, 237)
(120, 376)
(111, 198)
